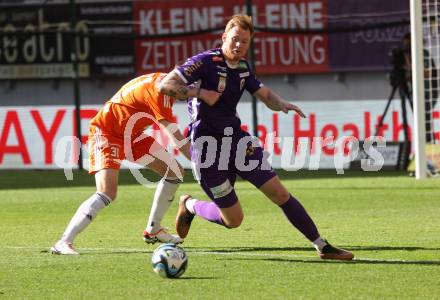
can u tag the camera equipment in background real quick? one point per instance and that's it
(398, 152)
(399, 82)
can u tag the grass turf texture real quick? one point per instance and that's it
(389, 220)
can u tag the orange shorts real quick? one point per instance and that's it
(107, 151)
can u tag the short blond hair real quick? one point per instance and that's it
(243, 21)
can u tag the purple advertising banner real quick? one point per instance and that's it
(365, 49)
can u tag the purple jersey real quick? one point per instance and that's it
(210, 69)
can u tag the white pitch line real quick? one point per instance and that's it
(226, 253)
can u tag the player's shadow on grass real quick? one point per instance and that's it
(391, 248)
(196, 277)
(361, 187)
(355, 261)
(311, 249)
(252, 250)
(125, 252)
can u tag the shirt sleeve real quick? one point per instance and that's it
(252, 84)
(193, 69)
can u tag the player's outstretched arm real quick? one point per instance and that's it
(176, 136)
(173, 86)
(276, 102)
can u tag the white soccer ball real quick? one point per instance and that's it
(169, 261)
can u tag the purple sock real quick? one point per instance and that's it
(208, 211)
(299, 218)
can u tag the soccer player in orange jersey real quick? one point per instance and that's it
(117, 133)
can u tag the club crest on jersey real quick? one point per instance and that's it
(221, 84)
(242, 83)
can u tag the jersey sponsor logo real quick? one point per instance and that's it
(217, 58)
(242, 83)
(222, 74)
(222, 190)
(191, 68)
(245, 74)
(221, 84)
(166, 101)
(221, 68)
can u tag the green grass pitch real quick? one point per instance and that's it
(390, 221)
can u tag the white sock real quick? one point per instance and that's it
(190, 205)
(319, 243)
(84, 215)
(164, 195)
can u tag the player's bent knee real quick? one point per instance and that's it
(233, 222)
(278, 196)
(282, 196)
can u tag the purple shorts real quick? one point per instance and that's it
(217, 160)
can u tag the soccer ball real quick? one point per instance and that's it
(169, 261)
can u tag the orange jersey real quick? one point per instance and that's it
(138, 95)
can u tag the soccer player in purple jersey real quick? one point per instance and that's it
(214, 81)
